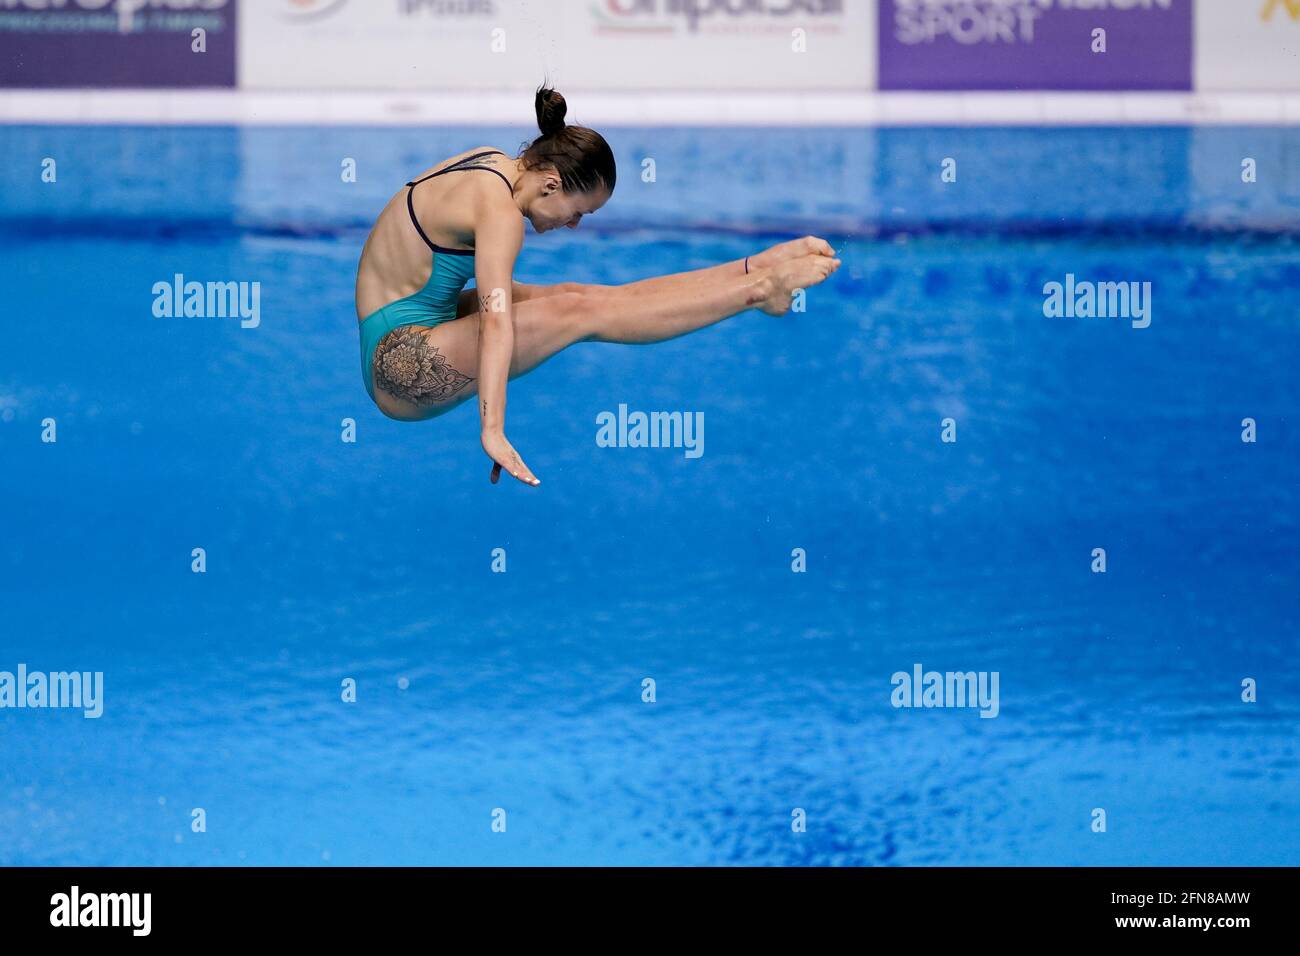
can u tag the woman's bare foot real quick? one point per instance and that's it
(794, 249)
(802, 273)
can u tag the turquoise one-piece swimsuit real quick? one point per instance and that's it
(436, 302)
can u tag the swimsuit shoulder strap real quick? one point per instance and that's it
(465, 164)
(457, 166)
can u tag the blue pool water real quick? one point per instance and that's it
(523, 691)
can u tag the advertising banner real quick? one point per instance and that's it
(1035, 44)
(398, 44)
(786, 45)
(781, 45)
(117, 43)
(1248, 45)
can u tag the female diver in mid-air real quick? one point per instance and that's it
(427, 346)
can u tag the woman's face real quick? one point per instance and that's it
(555, 208)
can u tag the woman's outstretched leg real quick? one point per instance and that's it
(548, 324)
(772, 256)
(781, 252)
(642, 313)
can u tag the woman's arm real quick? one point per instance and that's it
(497, 240)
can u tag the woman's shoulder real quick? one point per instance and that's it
(460, 157)
(452, 160)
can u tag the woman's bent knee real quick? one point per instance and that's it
(580, 311)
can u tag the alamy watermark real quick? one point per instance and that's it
(36, 689)
(1083, 299)
(209, 300)
(651, 430)
(75, 908)
(922, 688)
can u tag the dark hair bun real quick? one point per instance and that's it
(550, 108)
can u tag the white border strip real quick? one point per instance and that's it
(712, 108)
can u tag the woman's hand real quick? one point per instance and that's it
(503, 455)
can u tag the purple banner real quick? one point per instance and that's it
(1035, 44)
(117, 43)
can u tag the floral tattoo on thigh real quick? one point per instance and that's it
(408, 367)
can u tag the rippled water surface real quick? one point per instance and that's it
(523, 690)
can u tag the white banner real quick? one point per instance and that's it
(785, 45)
(790, 45)
(388, 44)
(1247, 45)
